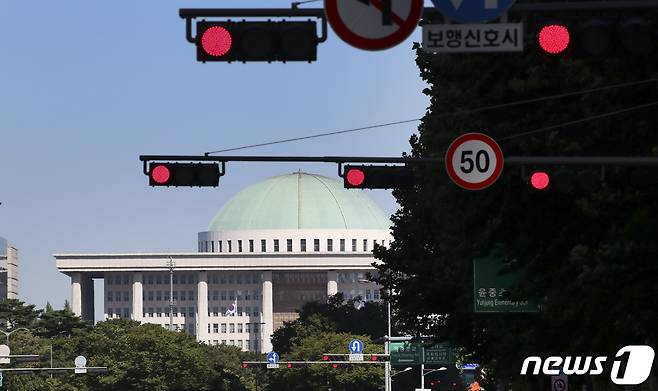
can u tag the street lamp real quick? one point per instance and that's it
(407, 369)
(7, 334)
(424, 372)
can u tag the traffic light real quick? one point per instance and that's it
(377, 177)
(256, 41)
(184, 174)
(595, 36)
(566, 180)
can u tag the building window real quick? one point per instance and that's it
(230, 247)
(231, 295)
(223, 295)
(239, 246)
(220, 246)
(117, 296)
(108, 280)
(239, 327)
(302, 245)
(240, 343)
(166, 296)
(224, 328)
(316, 244)
(256, 313)
(251, 245)
(231, 279)
(289, 245)
(183, 297)
(255, 327)
(353, 244)
(125, 279)
(330, 245)
(158, 295)
(190, 312)
(342, 245)
(182, 279)
(215, 328)
(110, 296)
(247, 328)
(375, 294)
(263, 245)
(255, 294)
(175, 295)
(276, 245)
(206, 246)
(212, 247)
(190, 295)
(215, 295)
(365, 244)
(231, 328)
(158, 312)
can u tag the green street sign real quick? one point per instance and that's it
(405, 353)
(440, 353)
(491, 288)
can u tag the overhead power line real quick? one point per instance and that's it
(463, 112)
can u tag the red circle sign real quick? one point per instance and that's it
(373, 24)
(474, 161)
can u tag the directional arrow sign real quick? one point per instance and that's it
(472, 11)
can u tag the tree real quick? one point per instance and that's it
(60, 323)
(584, 253)
(15, 313)
(363, 377)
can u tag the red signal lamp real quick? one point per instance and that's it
(355, 177)
(289, 365)
(334, 366)
(540, 180)
(325, 358)
(160, 174)
(373, 358)
(245, 365)
(554, 39)
(216, 41)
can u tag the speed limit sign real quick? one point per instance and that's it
(474, 161)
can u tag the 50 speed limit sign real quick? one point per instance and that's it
(474, 161)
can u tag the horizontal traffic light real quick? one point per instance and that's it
(184, 174)
(595, 36)
(585, 180)
(377, 177)
(256, 41)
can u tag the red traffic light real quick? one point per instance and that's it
(554, 38)
(160, 174)
(325, 358)
(373, 358)
(334, 366)
(216, 41)
(540, 180)
(289, 365)
(245, 365)
(355, 176)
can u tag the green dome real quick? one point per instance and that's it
(299, 201)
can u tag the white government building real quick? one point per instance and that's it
(274, 246)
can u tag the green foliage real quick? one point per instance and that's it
(337, 315)
(588, 255)
(60, 323)
(365, 377)
(15, 313)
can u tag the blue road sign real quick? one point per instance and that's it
(472, 11)
(273, 357)
(356, 346)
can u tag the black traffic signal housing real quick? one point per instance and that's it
(377, 177)
(256, 41)
(184, 174)
(578, 35)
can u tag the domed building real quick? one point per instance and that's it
(275, 245)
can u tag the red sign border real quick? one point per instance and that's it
(359, 42)
(480, 137)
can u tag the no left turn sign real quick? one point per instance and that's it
(474, 161)
(373, 24)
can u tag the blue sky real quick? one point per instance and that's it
(86, 87)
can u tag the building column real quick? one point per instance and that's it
(202, 307)
(87, 302)
(267, 326)
(76, 293)
(138, 297)
(332, 283)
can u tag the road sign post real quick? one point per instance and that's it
(373, 24)
(474, 161)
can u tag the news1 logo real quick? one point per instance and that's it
(632, 365)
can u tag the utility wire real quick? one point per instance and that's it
(574, 122)
(455, 113)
